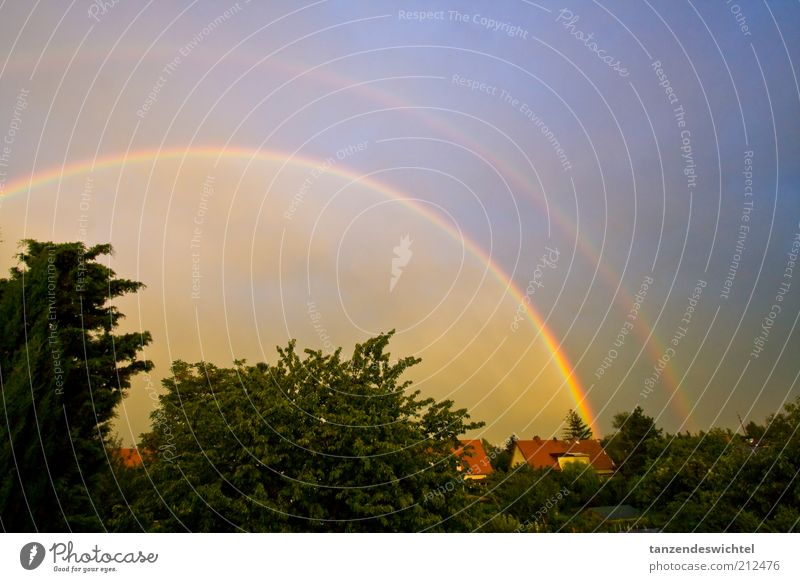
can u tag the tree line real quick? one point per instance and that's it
(316, 442)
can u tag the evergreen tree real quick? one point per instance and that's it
(575, 428)
(63, 370)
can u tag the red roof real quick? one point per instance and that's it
(474, 458)
(130, 457)
(600, 461)
(540, 454)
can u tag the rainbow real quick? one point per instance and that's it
(56, 175)
(645, 331)
(652, 344)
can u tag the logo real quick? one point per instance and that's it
(402, 255)
(31, 555)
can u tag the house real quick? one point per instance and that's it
(474, 460)
(539, 454)
(129, 457)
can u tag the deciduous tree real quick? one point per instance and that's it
(313, 442)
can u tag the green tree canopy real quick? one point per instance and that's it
(313, 443)
(720, 481)
(63, 370)
(575, 427)
(636, 440)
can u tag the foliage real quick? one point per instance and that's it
(576, 427)
(63, 371)
(314, 443)
(710, 481)
(637, 439)
(721, 481)
(500, 456)
(317, 442)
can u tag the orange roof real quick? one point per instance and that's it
(475, 458)
(130, 457)
(600, 461)
(540, 454)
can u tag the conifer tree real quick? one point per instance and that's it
(576, 428)
(63, 370)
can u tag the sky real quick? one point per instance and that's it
(588, 205)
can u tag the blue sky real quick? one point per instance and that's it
(518, 126)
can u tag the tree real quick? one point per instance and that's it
(314, 443)
(761, 476)
(527, 495)
(635, 441)
(500, 455)
(576, 428)
(541, 500)
(63, 370)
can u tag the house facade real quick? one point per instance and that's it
(556, 454)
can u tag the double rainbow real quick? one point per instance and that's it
(53, 175)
